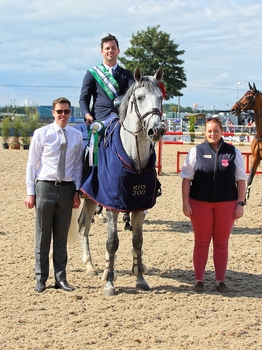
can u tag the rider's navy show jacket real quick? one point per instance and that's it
(101, 104)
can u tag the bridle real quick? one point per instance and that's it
(252, 96)
(152, 111)
(242, 106)
(143, 125)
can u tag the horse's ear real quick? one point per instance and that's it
(159, 74)
(250, 87)
(138, 74)
(254, 88)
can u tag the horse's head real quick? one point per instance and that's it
(147, 100)
(246, 102)
(144, 100)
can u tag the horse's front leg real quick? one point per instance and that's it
(84, 222)
(112, 244)
(138, 268)
(253, 170)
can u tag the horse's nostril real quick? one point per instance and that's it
(150, 132)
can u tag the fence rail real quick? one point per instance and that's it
(247, 155)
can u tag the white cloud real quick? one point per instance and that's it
(222, 77)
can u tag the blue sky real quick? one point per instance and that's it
(47, 46)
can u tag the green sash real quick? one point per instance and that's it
(106, 81)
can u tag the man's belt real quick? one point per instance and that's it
(57, 183)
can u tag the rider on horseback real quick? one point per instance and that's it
(103, 83)
(101, 86)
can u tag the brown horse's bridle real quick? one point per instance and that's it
(252, 96)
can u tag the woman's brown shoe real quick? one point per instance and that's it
(199, 287)
(222, 288)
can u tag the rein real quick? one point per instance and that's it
(143, 127)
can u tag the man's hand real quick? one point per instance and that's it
(76, 200)
(30, 201)
(89, 119)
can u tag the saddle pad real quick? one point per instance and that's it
(114, 183)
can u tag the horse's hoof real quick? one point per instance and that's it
(99, 209)
(159, 192)
(91, 273)
(141, 284)
(90, 270)
(102, 220)
(128, 227)
(109, 290)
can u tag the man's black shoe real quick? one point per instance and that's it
(64, 285)
(40, 287)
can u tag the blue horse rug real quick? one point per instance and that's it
(114, 183)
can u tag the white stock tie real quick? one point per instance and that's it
(60, 172)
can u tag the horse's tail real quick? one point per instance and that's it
(73, 234)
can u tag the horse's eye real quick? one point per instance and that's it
(140, 97)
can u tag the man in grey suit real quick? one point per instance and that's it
(53, 188)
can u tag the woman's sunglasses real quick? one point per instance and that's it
(212, 118)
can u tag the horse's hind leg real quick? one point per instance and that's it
(84, 222)
(138, 268)
(126, 219)
(99, 212)
(112, 244)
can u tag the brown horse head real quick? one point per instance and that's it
(246, 102)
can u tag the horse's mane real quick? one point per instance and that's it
(148, 82)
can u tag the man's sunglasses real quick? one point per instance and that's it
(60, 111)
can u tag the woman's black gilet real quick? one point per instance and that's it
(214, 179)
